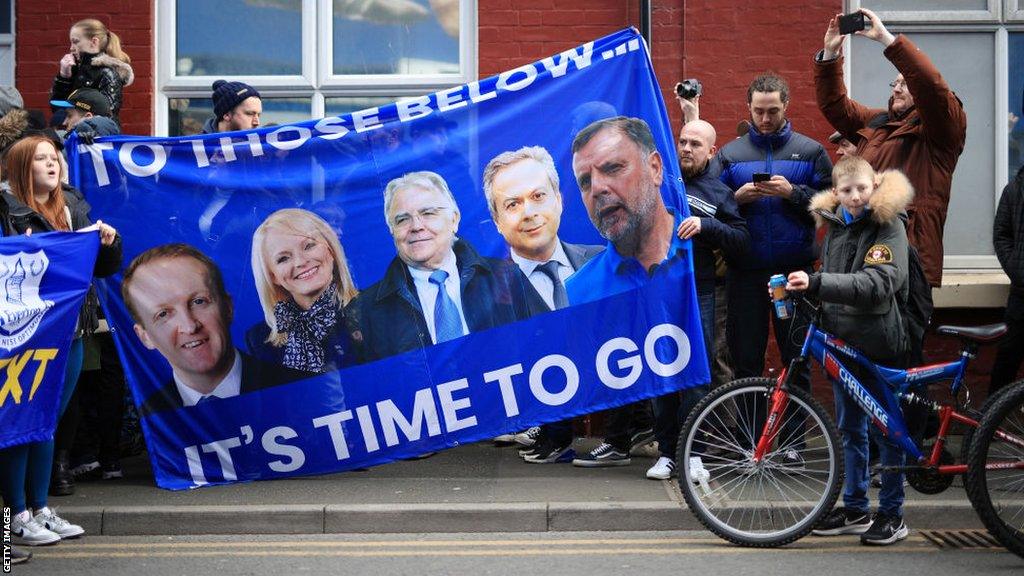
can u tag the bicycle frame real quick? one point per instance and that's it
(882, 406)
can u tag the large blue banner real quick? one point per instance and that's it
(348, 291)
(43, 281)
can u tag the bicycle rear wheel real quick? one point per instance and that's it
(764, 504)
(997, 494)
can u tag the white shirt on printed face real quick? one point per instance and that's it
(426, 292)
(541, 282)
(229, 387)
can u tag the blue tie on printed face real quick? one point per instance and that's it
(550, 269)
(447, 321)
(206, 399)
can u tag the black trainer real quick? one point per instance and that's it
(885, 530)
(603, 455)
(19, 556)
(843, 520)
(640, 438)
(549, 453)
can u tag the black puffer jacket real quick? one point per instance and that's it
(20, 217)
(1008, 232)
(100, 72)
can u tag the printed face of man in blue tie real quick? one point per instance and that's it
(527, 208)
(423, 222)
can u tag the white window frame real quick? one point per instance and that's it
(992, 14)
(1013, 10)
(7, 41)
(317, 80)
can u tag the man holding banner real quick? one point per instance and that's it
(619, 172)
(437, 288)
(525, 201)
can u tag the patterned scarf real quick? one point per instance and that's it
(307, 330)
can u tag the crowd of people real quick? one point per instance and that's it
(755, 202)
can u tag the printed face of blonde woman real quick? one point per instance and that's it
(45, 169)
(301, 265)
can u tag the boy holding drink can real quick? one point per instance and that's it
(862, 278)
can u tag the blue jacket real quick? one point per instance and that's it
(721, 226)
(781, 230)
(387, 319)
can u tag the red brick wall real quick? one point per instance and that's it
(726, 44)
(516, 32)
(41, 39)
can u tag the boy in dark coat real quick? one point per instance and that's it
(862, 280)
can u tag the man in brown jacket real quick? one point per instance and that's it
(922, 133)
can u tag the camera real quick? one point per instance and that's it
(689, 88)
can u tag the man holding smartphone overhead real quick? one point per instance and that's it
(773, 172)
(921, 132)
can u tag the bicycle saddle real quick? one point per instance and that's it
(978, 334)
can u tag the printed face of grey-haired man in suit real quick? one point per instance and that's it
(524, 198)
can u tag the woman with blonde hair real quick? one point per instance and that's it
(304, 284)
(95, 60)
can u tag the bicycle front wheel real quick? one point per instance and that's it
(767, 503)
(995, 468)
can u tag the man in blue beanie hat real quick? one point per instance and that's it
(236, 106)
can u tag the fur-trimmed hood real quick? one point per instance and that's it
(123, 69)
(887, 202)
(12, 127)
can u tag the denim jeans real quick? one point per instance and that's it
(853, 426)
(671, 410)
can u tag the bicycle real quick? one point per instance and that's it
(752, 484)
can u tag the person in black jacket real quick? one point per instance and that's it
(1008, 239)
(95, 60)
(34, 172)
(715, 224)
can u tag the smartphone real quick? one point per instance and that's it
(762, 176)
(850, 23)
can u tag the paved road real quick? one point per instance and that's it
(569, 554)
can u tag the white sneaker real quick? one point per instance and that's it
(25, 530)
(49, 520)
(663, 469)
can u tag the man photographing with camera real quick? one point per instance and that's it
(921, 133)
(688, 95)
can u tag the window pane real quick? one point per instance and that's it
(187, 115)
(1016, 87)
(967, 62)
(5, 17)
(925, 5)
(239, 37)
(415, 37)
(339, 106)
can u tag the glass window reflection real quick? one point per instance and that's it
(411, 37)
(1016, 87)
(234, 37)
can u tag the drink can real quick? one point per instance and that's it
(783, 305)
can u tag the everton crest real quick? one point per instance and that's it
(21, 308)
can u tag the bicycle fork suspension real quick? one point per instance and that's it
(778, 400)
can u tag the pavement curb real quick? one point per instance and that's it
(437, 518)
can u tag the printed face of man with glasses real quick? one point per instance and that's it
(423, 220)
